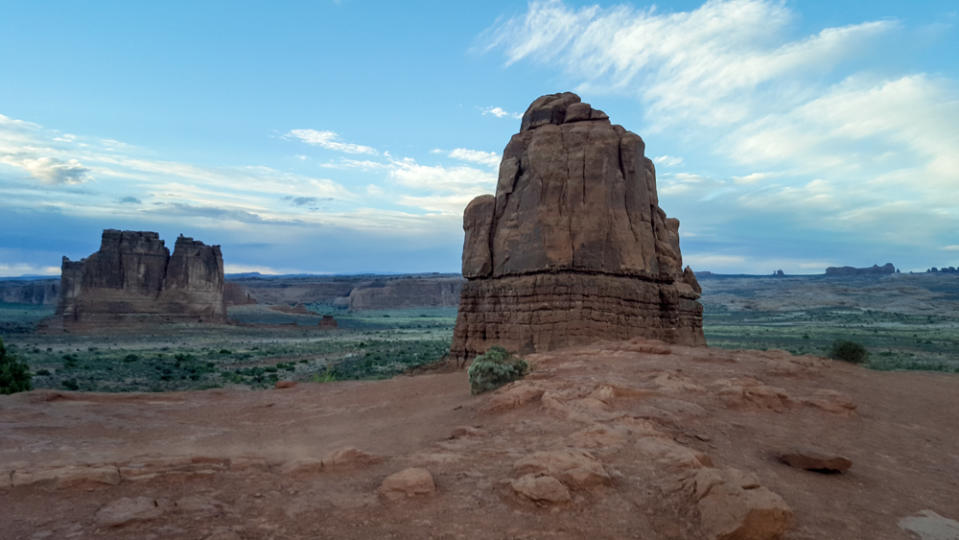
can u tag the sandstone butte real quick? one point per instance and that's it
(133, 279)
(573, 248)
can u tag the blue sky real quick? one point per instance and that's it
(348, 136)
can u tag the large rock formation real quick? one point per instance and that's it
(133, 278)
(574, 247)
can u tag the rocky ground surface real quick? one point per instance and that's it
(631, 439)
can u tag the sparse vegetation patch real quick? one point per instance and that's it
(848, 351)
(494, 368)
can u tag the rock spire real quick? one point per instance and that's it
(573, 247)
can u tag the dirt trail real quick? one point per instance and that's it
(617, 440)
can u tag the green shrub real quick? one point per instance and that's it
(848, 351)
(495, 368)
(14, 374)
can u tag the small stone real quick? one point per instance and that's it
(541, 488)
(127, 510)
(812, 460)
(408, 483)
(348, 456)
(462, 432)
(280, 385)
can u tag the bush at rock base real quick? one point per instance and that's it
(848, 351)
(494, 368)
(14, 374)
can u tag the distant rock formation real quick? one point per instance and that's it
(573, 248)
(133, 278)
(30, 291)
(407, 293)
(874, 270)
(237, 295)
(328, 322)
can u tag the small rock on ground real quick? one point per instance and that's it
(127, 510)
(408, 483)
(812, 460)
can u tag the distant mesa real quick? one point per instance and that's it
(134, 279)
(874, 270)
(573, 248)
(406, 293)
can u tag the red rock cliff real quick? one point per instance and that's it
(573, 247)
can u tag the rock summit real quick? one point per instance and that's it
(573, 248)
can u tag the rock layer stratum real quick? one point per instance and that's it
(134, 279)
(573, 247)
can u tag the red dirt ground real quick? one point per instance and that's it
(632, 431)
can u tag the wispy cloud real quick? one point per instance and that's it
(48, 169)
(668, 161)
(25, 269)
(699, 64)
(500, 112)
(329, 140)
(490, 159)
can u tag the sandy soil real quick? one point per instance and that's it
(626, 431)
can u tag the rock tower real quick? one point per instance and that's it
(573, 248)
(134, 279)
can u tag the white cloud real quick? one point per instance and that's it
(668, 161)
(500, 112)
(329, 140)
(752, 178)
(490, 159)
(24, 269)
(951, 247)
(48, 169)
(409, 173)
(361, 164)
(702, 64)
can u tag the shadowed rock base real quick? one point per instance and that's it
(548, 311)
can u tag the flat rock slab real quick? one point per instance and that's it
(127, 510)
(929, 525)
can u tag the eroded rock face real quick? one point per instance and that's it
(573, 247)
(133, 278)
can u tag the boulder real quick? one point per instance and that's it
(575, 468)
(409, 482)
(541, 488)
(573, 248)
(133, 278)
(733, 506)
